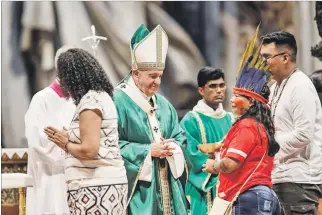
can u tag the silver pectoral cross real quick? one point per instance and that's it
(94, 40)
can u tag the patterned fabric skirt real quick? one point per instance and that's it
(98, 200)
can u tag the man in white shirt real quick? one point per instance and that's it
(297, 115)
(45, 159)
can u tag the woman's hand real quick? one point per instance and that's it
(59, 137)
(226, 165)
(210, 148)
(209, 166)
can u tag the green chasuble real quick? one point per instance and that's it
(135, 138)
(201, 186)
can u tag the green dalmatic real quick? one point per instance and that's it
(201, 186)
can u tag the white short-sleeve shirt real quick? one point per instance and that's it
(108, 164)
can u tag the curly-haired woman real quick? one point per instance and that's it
(94, 169)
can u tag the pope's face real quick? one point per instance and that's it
(240, 105)
(148, 81)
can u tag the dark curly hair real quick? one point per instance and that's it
(78, 72)
(262, 114)
(316, 78)
(316, 50)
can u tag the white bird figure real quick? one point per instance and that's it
(94, 40)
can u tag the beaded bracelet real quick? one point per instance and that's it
(215, 168)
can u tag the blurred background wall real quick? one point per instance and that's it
(200, 34)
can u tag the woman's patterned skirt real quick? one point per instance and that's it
(98, 200)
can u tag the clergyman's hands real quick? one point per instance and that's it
(162, 149)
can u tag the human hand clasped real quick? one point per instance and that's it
(162, 149)
(59, 137)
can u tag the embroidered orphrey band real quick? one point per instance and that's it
(209, 201)
(165, 189)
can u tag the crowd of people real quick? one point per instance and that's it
(98, 150)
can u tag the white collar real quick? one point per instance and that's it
(131, 83)
(202, 107)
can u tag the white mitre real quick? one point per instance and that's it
(149, 49)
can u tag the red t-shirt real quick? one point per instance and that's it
(243, 143)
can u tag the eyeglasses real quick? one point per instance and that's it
(215, 86)
(266, 58)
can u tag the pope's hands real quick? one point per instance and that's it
(162, 149)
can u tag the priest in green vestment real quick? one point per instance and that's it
(207, 123)
(150, 136)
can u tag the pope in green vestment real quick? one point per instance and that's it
(201, 186)
(150, 136)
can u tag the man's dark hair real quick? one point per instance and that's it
(208, 74)
(79, 72)
(282, 39)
